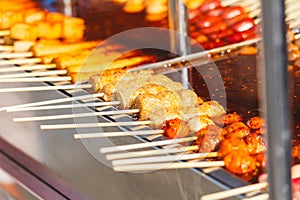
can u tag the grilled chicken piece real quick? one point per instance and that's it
(199, 122)
(171, 102)
(190, 112)
(150, 88)
(117, 80)
(125, 94)
(129, 89)
(166, 81)
(158, 107)
(211, 109)
(109, 90)
(188, 98)
(151, 108)
(146, 103)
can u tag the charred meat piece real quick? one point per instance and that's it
(209, 138)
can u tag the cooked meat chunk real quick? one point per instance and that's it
(211, 109)
(231, 144)
(240, 162)
(256, 143)
(199, 122)
(209, 138)
(256, 123)
(224, 120)
(175, 128)
(235, 126)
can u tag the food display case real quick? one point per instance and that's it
(51, 153)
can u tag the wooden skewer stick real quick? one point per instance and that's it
(45, 88)
(170, 165)
(167, 158)
(30, 67)
(54, 101)
(144, 145)
(31, 74)
(36, 79)
(235, 191)
(16, 55)
(4, 32)
(55, 107)
(135, 154)
(116, 134)
(6, 48)
(264, 196)
(20, 61)
(66, 116)
(92, 125)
